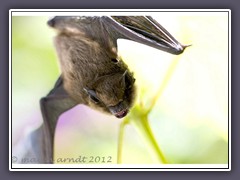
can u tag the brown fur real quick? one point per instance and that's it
(87, 57)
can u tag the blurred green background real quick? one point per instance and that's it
(189, 121)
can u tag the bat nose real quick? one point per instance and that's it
(120, 110)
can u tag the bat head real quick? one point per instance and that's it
(114, 92)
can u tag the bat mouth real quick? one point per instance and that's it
(121, 114)
(120, 110)
(146, 30)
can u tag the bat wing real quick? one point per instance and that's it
(52, 106)
(145, 30)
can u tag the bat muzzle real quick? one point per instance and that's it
(120, 110)
(121, 114)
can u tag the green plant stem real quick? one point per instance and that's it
(139, 119)
(144, 130)
(120, 140)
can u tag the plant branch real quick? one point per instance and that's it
(120, 140)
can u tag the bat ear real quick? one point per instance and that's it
(124, 74)
(86, 89)
(123, 79)
(127, 79)
(92, 94)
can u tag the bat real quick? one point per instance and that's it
(92, 73)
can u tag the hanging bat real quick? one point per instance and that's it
(92, 73)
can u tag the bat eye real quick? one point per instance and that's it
(95, 99)
(114, 60)
(92, 95)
